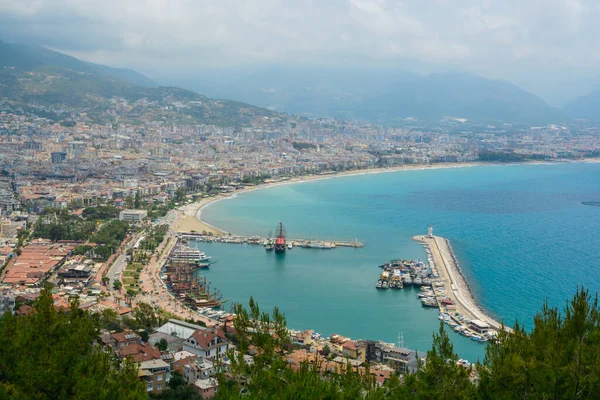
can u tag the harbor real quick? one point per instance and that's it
(440, 285)
(180, 278)
(451, 292)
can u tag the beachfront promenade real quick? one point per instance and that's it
(454, 281)
(156, 289)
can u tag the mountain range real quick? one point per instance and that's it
(39, 77)
(386, 96)
(585, 107)
(380, 95)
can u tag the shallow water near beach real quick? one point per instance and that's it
(519, 232)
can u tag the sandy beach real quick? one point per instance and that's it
(187, 220)
(190, 216)
(185, 224)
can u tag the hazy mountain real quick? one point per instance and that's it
(585, 107)
(378, 95)
(459, 95)
(303, 90)
(34, 55)
(31, 75)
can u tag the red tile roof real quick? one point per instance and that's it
(125, 336)
(140, 352)
(204, 336)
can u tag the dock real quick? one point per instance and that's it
(450, 275)
(258, 240)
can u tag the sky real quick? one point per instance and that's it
(550, 47)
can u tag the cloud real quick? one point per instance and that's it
(503, 38)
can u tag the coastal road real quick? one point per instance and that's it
(121, 262)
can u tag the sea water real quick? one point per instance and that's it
(520, 233)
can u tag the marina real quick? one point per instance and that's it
(451, 293)
(181, 278)
(408, 274)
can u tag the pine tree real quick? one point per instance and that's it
(51, 354)
(559, 359)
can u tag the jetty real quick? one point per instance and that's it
(258, 240)
(445, 264)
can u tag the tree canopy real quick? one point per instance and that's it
(52, 354)
(558, 359)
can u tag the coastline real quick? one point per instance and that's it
(455, 281)
(446, 259)
(188, 213)
(195, 209)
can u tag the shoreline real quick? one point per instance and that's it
(200, 205)
(195, 209)
(204, 203)
(455, 281)
(465, 295)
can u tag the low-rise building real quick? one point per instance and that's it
(181, 359)
(399, 358)
(135, 217)
(350, 349)
(75, 273)
(200, 368)
(7, 303)
(156, 375)
(478, 326)
(36, 262)
(8, 203)
(174, 343)
(207, 387)
(179, 328)
(123, 339)
(207, 343)
(139, 352)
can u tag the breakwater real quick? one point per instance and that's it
(445, 262)
(258, 240)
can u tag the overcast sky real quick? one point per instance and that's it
(551, 47)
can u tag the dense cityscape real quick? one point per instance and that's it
(69, 191)
(48, 164)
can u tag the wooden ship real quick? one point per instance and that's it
(190, 288)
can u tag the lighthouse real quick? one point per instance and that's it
(430, 231)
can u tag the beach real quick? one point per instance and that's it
(187, 220)
(191, 217)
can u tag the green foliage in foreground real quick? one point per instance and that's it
(558, 359)
(54, 355)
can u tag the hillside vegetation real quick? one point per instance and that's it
(53, 83)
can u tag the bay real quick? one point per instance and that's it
(520, 233)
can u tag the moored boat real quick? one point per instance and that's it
(280, 243)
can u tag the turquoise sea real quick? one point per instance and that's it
(520, 233)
